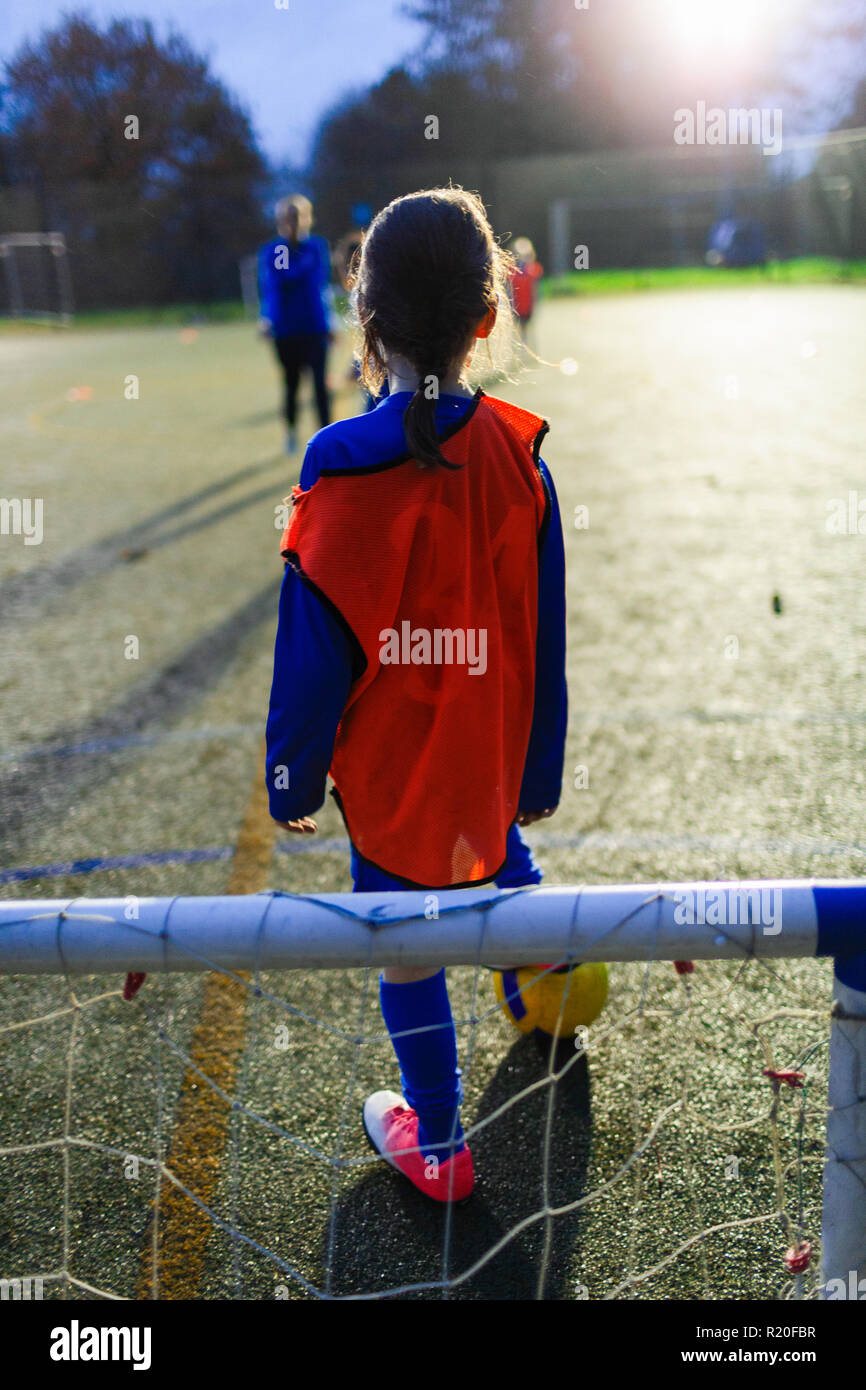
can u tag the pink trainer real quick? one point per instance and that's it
(392, 1128)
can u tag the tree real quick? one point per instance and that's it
(139, 155)
(610, 74)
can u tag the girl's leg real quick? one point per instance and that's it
(290, 361)
(520, 868)
(318, 360)
(417, 1014)
(408, 974)
(418, 1017)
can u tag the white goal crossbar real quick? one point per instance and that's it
(764, 919)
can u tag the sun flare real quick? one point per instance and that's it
(714, 24)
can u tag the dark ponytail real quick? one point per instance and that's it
(419, 419)
(430, 270)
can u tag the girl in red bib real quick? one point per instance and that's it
(420, 654)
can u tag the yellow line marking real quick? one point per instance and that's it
(178, 1231)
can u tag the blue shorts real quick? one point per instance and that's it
(519, 870)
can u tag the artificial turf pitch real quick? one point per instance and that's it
(716, 731)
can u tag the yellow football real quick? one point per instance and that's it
(556, 1001)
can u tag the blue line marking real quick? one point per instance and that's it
(300, 845)
(304, 844)
(121, 741)
(634, 716)
(117, 861)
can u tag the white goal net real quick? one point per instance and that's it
(674, 1149)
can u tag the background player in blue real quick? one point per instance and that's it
(294, 293)
(316, 661)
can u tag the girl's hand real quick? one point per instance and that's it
(264, 328)
(530, 817)
(305, 826)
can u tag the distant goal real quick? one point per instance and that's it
(37, 284)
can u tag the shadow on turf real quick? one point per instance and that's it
(24, 594)
(387, 1234)
(259, 417)
(48, 784)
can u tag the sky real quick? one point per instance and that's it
(287, 67)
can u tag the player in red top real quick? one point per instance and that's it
(523, 282)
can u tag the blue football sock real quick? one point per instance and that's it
(429, 1072)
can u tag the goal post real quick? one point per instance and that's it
(843, 1224)
(763, 919)
(768, 919)
(38, 282)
